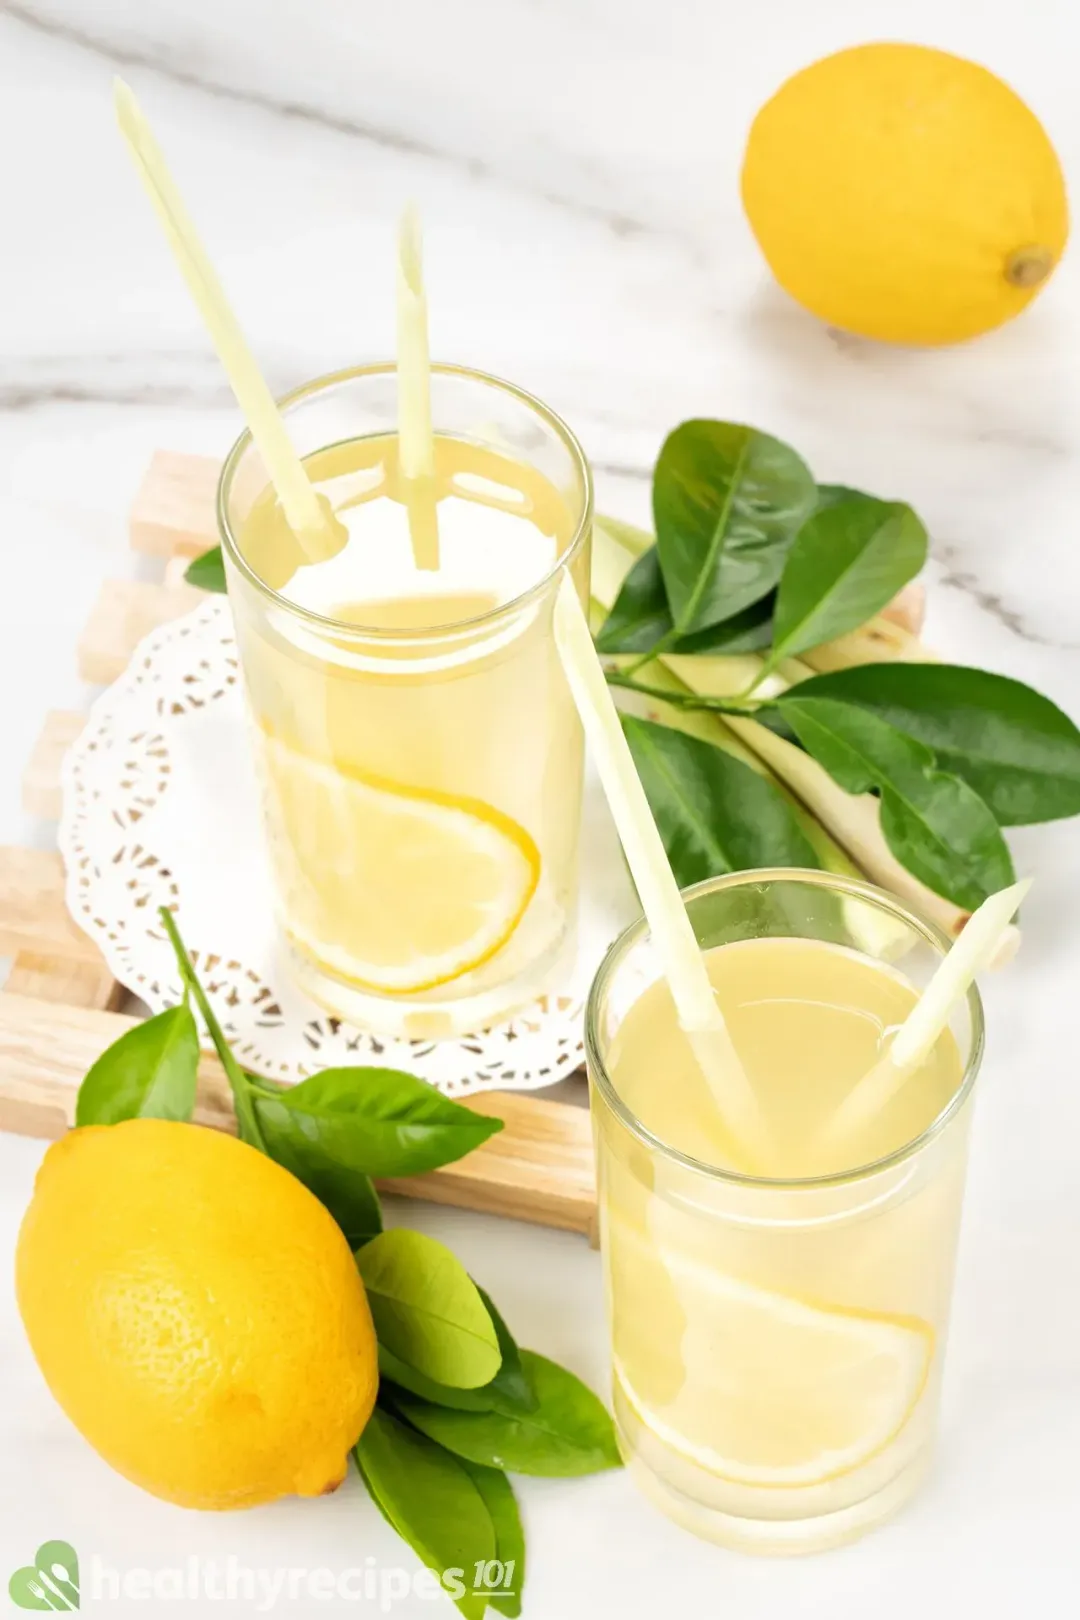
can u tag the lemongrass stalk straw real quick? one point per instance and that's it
(416, 439)
(853, 820)
(925, 1023)
(309, 520)
(672, 932)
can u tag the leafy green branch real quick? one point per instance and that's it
(459, 1403)
(682, 700)
(247, 1118)
(753, 567)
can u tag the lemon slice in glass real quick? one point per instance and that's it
(395, 889)
(775, 1391)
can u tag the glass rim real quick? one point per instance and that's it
(349, 628)
(857, 888)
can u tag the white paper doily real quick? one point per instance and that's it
(160, 808)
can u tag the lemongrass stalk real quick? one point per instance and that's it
(908, 607)
(926, 1022)
(627, 536)
(870, 929)
(853, 820)
(977, 945)
(881, 641)
(614, 552)
(874, 931)
(314, 526)
(416, 438)
(672, 932)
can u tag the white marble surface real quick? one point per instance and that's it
(576, 163)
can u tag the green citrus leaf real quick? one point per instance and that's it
(727, 503)
(348, 1194)
(935, 824)
(432, 1501)
(149, 1073)
(1016, 748)
(247, 1123)
(640, 620)
(831, 494)
(427, 1309)
(568, 1433)
(639, 617)
(379, 1122)
(846, 563)
(393, 1370)
(509, 1389)
(713, 813)
(501, 1503)
(207, 573)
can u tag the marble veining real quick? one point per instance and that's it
(959, 579)
(31, 382)
(623, 290)
(162, 59)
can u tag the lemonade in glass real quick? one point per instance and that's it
(419, 757)
(778, 1329)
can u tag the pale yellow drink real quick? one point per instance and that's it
(777, 1342)
(417, 749)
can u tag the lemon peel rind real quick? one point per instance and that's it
(477, 810)
(721, 1468)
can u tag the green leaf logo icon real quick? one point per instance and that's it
(51, 1582)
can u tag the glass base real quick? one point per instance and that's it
(776, 1537)
(431, 1017)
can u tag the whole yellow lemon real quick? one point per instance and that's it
(904, 194)
(197, 1313)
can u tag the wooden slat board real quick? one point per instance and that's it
(41, 795)
(73, 984)
(56, 1009)
(539, 1167)
(33, 916)
(173, 513)
(126, 610)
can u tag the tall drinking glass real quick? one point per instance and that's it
(778, 1339)
(418, 753)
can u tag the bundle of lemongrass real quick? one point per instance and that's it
(779, 626)
(844, 829)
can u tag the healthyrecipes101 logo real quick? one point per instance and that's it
(51, 1582)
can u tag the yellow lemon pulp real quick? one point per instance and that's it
(775, 1392)
(904, 194)
(197, 1314)
(446, 879)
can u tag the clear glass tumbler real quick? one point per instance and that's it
(858, 1264)
(421, 785)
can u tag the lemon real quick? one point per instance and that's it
(905, 194)
(776, 1391)
(445, 880)
(197, 1313)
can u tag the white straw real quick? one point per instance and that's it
(671, 929)
(913, 1042)
(306, 517)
